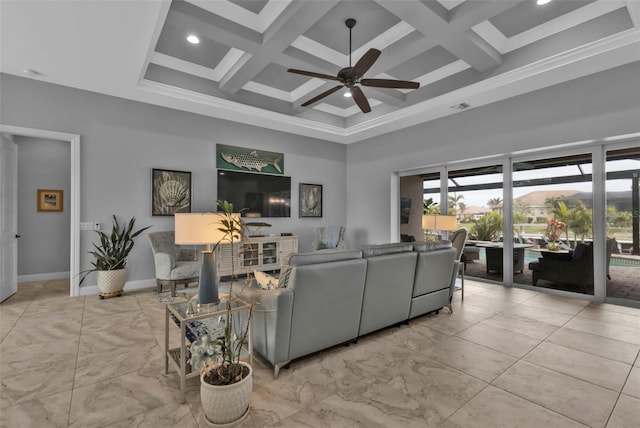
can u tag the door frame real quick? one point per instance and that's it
(74, 199)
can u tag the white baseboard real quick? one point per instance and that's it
(88, 290)
(43, 276)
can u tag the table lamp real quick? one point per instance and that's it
(203, 229)
(439, 222)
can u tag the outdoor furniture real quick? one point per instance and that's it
(572, 268)
(493, 254)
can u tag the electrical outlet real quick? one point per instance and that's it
(86, 226)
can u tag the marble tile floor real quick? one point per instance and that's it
(505, 357)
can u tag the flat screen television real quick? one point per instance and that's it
(262, 195)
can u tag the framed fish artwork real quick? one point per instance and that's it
(171, 192)
(243, 159)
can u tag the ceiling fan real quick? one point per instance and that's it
(350, 77)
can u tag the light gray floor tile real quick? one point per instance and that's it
(606, 329)
(475, 360)
(597, 345)
(505, 341)
(626, 413)
(576, 399)
(494, 407)
(601, 313)
(50, 411)
(591, 368)
(521, 325)
(540, 314)
(557, 303)
(632, 386)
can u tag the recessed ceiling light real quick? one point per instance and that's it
(541, 2)
(194, 40)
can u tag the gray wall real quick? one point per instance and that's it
(593, 107)
(44, 243)
(121, 141)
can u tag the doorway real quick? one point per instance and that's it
(74, 197)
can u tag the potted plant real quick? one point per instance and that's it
(226, 382)
(111, 257)
(554, 228)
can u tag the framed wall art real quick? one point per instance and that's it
(310, 200)
(171, 192)
(50, 201)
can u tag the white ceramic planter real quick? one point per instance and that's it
(226, 405)
(111, 282)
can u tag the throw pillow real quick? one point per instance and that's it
(265, 281)
(285, 276)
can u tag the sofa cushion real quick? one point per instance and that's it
(382, 249)
(323, 256)
(431, 245)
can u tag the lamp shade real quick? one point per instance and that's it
(439, 222)
(200, 228)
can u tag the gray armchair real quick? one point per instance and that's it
(330, 237)
(174, 265)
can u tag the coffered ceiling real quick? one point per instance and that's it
(464, 53)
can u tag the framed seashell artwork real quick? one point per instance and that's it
(171, 192)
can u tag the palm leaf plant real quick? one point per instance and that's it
(219, 357)
(113, 250)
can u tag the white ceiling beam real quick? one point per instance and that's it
(429, 19)
(280, 36)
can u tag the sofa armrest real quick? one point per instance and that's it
(271, 322)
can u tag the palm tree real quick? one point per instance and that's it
(494, 202)
(453, 202)
(462, 206)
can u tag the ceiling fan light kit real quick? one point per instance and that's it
(351, 77)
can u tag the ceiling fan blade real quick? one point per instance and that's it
(388, 83)
(360, 99)
(322, 95)
(312, 74)
(365, 62)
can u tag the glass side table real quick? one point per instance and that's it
(211, 319)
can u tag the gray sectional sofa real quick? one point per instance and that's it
(334, 296)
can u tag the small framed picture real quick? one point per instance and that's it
(310, 200)
(50, 201)
(171, 192)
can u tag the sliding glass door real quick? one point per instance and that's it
(553, 223)
(622, 224)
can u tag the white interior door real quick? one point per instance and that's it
(8, 219)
